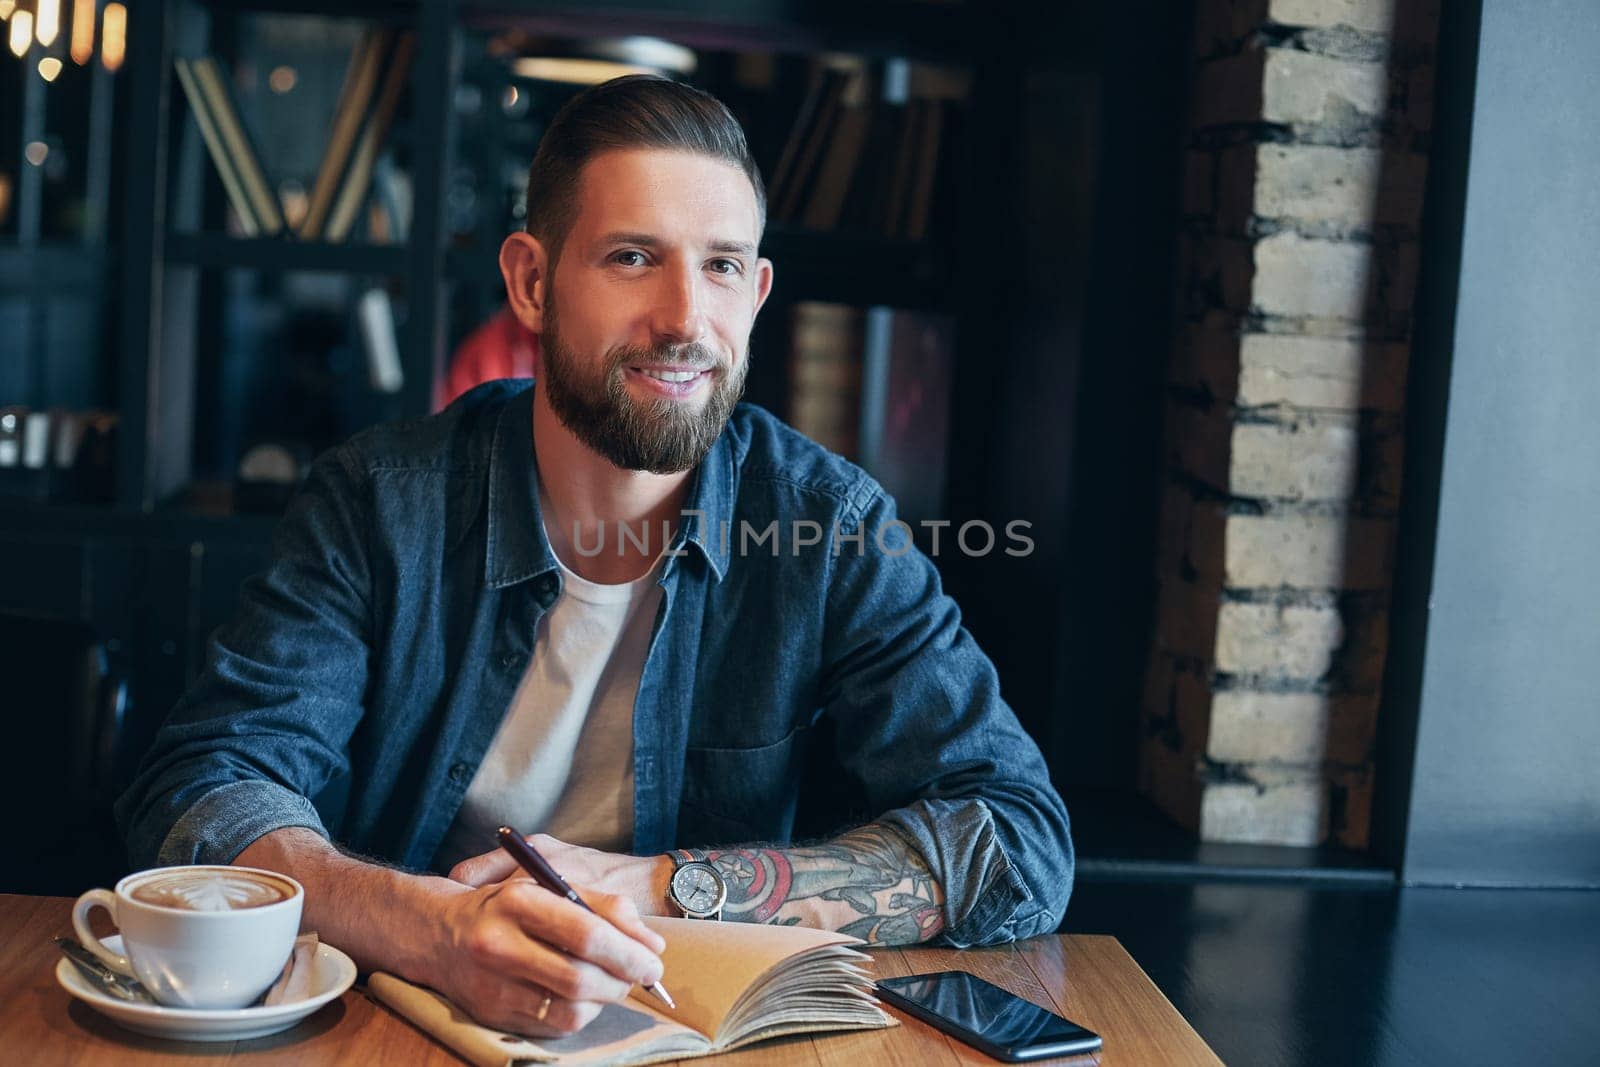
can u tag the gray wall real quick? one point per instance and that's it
(1505, 788)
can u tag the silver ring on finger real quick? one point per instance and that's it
(544, 1007)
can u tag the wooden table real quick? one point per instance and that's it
(1089, 979)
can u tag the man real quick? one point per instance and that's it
(439, 634)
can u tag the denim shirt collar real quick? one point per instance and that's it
(517, 546)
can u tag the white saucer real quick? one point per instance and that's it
(333, 972)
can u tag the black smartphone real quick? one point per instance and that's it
(987, 1017)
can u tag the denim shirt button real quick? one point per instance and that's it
(510, 660)
(461, 773)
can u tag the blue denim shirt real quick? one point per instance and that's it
(381, 649)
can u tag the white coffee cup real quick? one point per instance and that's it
(198, 936)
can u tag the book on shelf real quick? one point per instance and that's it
(866, 149)
(734, 983)
(873, 385)
(941, 91)
(216, 148)
(358, 179)
(842, 158)
(825, 360)
(207, 76)
(379, 341)
(907, 365)
(355, 96)
(826, 83)
(834, 86)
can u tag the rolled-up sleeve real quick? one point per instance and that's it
(267, 724)
(922, 727)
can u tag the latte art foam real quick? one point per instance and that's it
(210, 891)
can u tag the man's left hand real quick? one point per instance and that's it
(642, 879)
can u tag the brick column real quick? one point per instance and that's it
(1302, 199)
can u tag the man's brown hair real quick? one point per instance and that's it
(631, 112)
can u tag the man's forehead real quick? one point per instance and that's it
(661, 193)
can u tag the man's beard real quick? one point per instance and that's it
(662, 436)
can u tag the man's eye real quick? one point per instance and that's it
(727, 266)
(629, 258)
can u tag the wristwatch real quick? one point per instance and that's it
(697, 890)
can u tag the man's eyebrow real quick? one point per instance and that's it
(624, 237)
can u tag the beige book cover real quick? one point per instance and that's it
(734, 983)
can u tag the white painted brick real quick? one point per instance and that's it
(1299, 276)
(1374, 16)
(1300, 87)
(1321, 372)
(1306, 552)
(1294, 641)
(1287, 812)
(1247, 726)
(1347, 187)
(1315, 458)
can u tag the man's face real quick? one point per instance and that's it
(648, 312)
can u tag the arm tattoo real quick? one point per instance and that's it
(868, 883)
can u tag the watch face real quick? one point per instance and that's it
(698, 889)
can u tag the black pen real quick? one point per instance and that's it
(539, 869)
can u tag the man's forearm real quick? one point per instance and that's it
(868, 883)
(370, 911)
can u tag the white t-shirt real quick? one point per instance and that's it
(562, 760)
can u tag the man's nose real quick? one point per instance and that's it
(679, 317)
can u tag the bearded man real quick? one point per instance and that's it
(540, 607)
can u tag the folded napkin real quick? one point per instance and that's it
(295, 983)
(453, 1028)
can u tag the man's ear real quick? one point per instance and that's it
(524, 266)
(763, 283)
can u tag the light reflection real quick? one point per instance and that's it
(113, 36)
(82, 49)
(48, 21)
(49, 67)
(21, 33)
(36, 153)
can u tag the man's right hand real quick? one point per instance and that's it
(497, 951)
(511, 945)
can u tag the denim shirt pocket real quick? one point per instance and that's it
(734, 796)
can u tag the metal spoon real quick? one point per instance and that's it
(102, 977)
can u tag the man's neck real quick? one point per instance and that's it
(584, 494)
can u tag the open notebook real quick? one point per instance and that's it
(734, 983)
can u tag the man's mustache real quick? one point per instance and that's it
(692, 356)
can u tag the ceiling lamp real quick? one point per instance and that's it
(594, 61)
